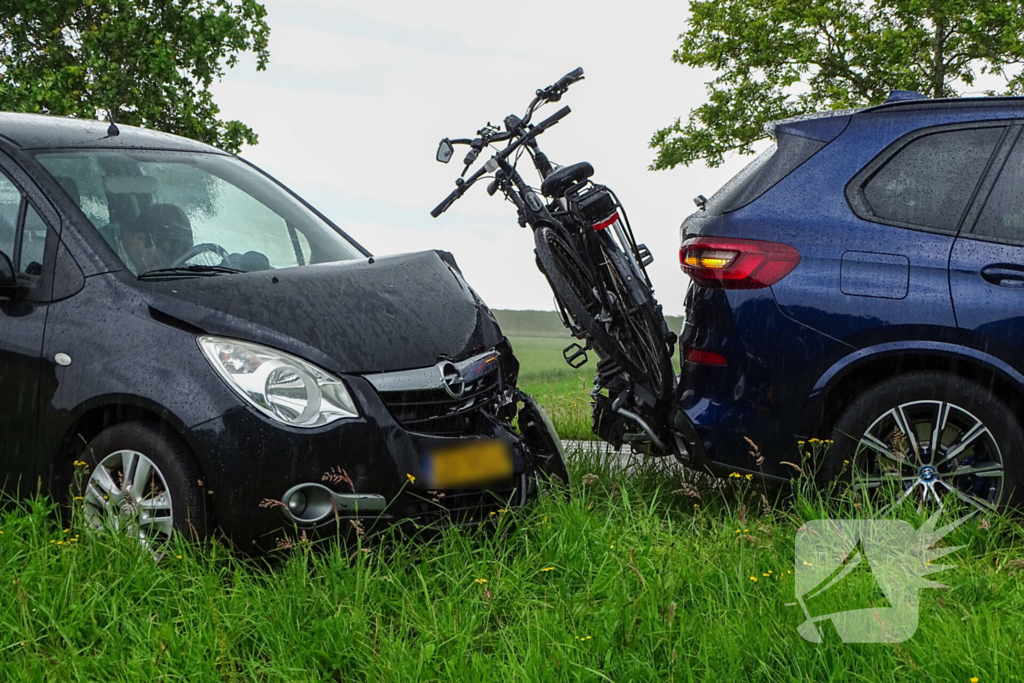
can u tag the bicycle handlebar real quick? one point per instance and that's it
(503, 154)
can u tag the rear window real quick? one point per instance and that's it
(763, 173)
(1002, 218)
(929, 181)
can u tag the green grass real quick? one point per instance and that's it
(645, 583)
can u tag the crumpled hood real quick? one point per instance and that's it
(370, 315)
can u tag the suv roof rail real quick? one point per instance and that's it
(915, 103)
(903, 96)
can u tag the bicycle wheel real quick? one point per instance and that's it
(569, 279)
(637, 335)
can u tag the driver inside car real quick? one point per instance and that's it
(158, 238)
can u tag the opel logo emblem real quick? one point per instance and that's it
(451, 379)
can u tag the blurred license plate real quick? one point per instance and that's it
(479, 462)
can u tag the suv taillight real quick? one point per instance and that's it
(736, 263)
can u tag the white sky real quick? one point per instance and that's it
(357, 96)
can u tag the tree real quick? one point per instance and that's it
(775, 59)
(150, 62)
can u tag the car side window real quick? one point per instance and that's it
(33, 244)
(10, 205)
(929, 181)
(1003, 216)
(17, 215)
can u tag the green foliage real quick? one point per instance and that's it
(151, 62)
(779, 59)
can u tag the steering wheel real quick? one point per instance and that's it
(200, 249)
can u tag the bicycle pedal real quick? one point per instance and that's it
(644, 255)
(573, 353)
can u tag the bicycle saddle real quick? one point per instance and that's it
(561, 180)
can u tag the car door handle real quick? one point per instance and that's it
(1004, 275)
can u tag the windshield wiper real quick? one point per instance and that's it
(187, 271)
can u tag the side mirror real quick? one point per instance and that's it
(445, 151)
(8, 280)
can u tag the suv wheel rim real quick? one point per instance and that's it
(927, 450)
(128, 491)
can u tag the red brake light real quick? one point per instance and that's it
(736, 263)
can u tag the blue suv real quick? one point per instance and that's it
(862, 283)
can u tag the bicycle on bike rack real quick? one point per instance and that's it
(598, 272)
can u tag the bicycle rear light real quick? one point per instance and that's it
(736, 263)
(598, 208)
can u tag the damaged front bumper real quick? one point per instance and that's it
(375, 469)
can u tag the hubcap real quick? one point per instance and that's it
(927, 450)
(128, 491)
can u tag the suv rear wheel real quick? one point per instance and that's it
(929, 436)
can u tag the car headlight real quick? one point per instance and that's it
(279, 385)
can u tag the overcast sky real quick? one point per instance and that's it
(357, 96)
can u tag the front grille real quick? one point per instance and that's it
(434, 411)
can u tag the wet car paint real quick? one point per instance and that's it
(792, 347)
(133, 355)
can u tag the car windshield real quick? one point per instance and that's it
(202, 212)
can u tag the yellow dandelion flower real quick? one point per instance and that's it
(612, 545)
(765, 574)
(179, 557)
(749, 477)
(754, 579)
(412, 479)
(800, 443)
(547, 569)
(974, 679)
(737, 531)
(480, 581)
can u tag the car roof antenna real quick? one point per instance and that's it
(112, 130)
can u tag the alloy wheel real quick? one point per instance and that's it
(927, 450)
(127, 491)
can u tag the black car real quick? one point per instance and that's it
(185, 344)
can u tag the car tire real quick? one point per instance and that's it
(979, 434)
(172, 499)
